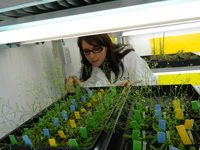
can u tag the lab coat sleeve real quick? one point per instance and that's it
(138, 70)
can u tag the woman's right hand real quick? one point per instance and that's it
(70, 81)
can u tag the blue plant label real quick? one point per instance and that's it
(87, 89)
(64, 115)
(162, 125)
(27, 140)
(161, 137)
(72, 108)
(157, 107)
(46, 133)
(56, 122)
(74, 102)
(83, 98)
(90, 94)
(174, 148)
(158, 114)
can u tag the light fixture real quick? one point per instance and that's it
(162, 28)
(108, 21)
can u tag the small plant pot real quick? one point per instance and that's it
(193, 115)
(197, 142)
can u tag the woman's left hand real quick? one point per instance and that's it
(125, 84)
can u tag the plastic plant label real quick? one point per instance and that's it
(91, 123)
(57, 108)
(83, 132)
(87, 89)
(62, 134)
(183, 134)
(107, 102)
(50, 114)
(94, 99)
(73, 102)
(90, 94)
(137, 115)
(83, 99)
(188, 124)
(157, 107)
(77, 115)
(134, 125)
(41, 122)
(83, 110)
(194, 105)
(73, 143)
(137, 145)
(27, 140)
(64, 104)
(158, 114)
(46, 133)
(114, 92)
(12, 139)
(174, 148)
(64, 115)
(102, 91)
(27, 132)
(162, 125)
(56, 122)
(99, 94)
(176, 104)
(139, 106)
(52, 142)
(135, 135)
(72, 108)
(161, 137)
(97, 115)
(89, 104)
(72, 123)
(78, 88)
(178, 113)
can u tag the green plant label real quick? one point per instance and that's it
(134, 125)
(12, 139)
(64, 104)
(73, 143)
(27, 132)
(41, 122)
(83, 132)
(137, 145)
(57, 107)
(91, 123)
(50, 114)
(135, 135)
(77, 95)
(194, 105)
(137, 115)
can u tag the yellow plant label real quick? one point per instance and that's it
(83, 110)
(183, 134)
(94, 99)
(188, 124)
(77, 115)
(72, 122)
(178, 113)
(102, 91)
(89, 104)
(52, 143)
(62, 134)
(176, 104)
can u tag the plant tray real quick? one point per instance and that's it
(100, 142)
(155, 64)
(158, 95)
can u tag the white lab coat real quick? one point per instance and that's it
(135, 70)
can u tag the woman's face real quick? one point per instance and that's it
(95, 59)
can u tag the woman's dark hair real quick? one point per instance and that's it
(113, 56)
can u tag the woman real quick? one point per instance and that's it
(105, 64)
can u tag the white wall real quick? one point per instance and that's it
(24, 61)
(141, 42)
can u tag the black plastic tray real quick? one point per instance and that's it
(117, 141)
(100, 142)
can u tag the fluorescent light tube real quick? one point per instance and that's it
(108, 20)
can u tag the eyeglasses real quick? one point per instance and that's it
(94, 51)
